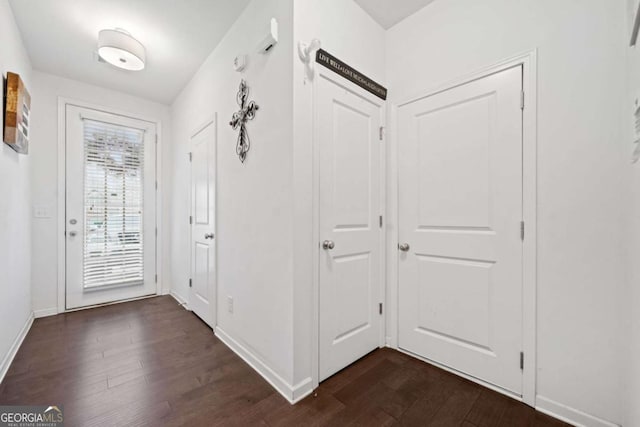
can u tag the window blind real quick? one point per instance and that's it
(113, 205)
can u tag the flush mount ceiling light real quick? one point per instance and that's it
(118, 48)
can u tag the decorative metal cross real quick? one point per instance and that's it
(239, 120)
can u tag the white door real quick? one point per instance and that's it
(203, 248)
(348, 124)
(110, 207)
(460, 212)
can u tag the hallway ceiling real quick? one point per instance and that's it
(61, 38)
(388, 13)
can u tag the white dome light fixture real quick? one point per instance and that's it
(121, 50)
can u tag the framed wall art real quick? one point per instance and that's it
(17, 109)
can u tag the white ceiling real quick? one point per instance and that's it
(389, 12)
(61, 38)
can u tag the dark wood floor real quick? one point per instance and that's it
(152, 363)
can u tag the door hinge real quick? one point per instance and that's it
(190, 157)
(522, 100)
(156, 278)
(381, 133)
(190, 283)
(380, 221)
(156, 138)
(156, 185)
(522, 230)
(190, 219)
(522, 361)
(380, 308)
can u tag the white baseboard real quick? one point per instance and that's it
(292, 393)
(570, 415)
(182, 301)
(13, 350)
(301, 390)
(45, 312)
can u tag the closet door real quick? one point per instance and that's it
(460, 213)
(348, 124)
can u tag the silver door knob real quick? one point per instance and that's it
(72, 234)
(209, 236)
(328, 244)
(404, 247)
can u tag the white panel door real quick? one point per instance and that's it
(203, 248)
(460, 209)
(110, 207)
(349, 170)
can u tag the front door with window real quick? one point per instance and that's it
(110, 207)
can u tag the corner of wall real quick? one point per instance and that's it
(15, 346)
(253, 212)
(292, 393)
(343, 28)
(15, 208)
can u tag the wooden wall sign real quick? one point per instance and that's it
(16, 117)
(349, 73)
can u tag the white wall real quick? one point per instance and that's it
(47, 89)
(581, 172)
(350, 34)
(633, 101)
(15, 202)
(254, 199)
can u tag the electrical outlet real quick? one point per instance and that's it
(230, 304)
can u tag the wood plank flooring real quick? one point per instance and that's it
(152, 363)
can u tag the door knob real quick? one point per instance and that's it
(404, 247)
(209, 236)
(328, 244)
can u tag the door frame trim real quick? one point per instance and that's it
(211, 120)
(528, 61)
(62, 193)
(315, 315)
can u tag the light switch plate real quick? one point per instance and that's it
(41, 211)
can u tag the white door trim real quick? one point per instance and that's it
(210, 120)
(315, 312)
(529, 171)
(61, 197)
